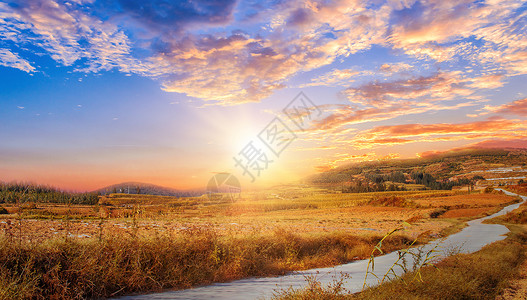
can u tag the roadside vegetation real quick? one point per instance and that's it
(68, 268)
(481, 275)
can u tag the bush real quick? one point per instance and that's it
(3, 211)
(488, 190)
(438, 212)
(393, 201)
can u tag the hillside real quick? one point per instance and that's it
(147, 189)
(433, 170)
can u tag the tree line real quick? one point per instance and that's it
(428, 180)
(16, 192)
(367, 187)
(388, 182)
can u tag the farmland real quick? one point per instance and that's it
(285, 208)
(141, 243)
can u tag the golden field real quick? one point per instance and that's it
(286, 208)
(137, 243)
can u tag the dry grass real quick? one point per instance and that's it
(476, 276)
(466, 200)
(517, 216)
(65, 268)
(519, 189)
(130, 244)
(481, 275)
(467, 212)
(393, 201)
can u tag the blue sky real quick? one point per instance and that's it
(96, 92)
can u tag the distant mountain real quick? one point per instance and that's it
(148, 189)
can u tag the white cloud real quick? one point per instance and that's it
(298, 36)
(12, 60)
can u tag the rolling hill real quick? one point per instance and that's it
(147, 189)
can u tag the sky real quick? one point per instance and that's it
(97, 92)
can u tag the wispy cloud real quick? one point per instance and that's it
(335, 78)
(518, 107)
(409, 133)
(10, 59)
(439, 86)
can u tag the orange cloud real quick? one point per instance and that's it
(492, 81)
(343, 115)
(391, 69)
(335, 77)
(519, 143)
(408, 133)
(518, 107)
(504, 143)
(441, 85)
(444, 128)
(429, 31)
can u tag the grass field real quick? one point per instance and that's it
(495, 272)
(137, 243)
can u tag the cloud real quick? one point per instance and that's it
(302, 38)
(503, 143)
(518, 107)
(335, 78)
(492, 81)
(169, 40)
(230, 52)
(409, 133)
(173, 16)
(407, 130)
(378, 101)
(433, 21)
(394, 68)
(441, 85)
(488, 36)
(12, 60)
(67, 34)
(344, 115)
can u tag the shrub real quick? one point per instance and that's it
(438, 212)
(393, 201)
(3, 211)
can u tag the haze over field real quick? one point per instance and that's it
(96, 92)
